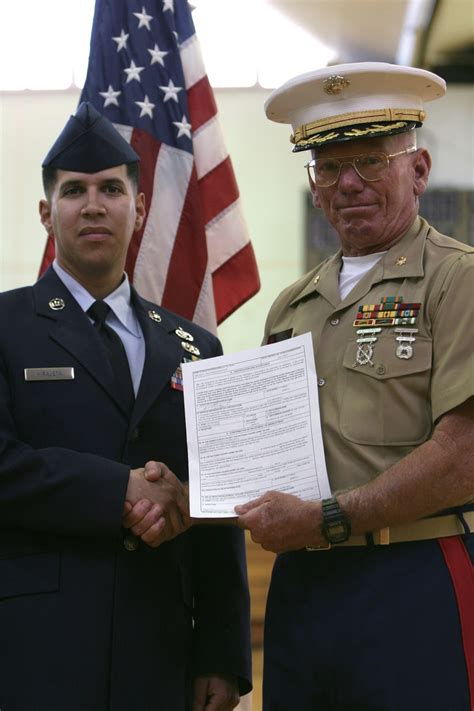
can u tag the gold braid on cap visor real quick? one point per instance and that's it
(310, 133)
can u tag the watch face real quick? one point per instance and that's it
(337, 532)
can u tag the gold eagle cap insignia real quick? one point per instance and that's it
(335, 84)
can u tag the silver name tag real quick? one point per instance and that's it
(49, 374)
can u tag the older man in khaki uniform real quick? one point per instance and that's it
(371, 601)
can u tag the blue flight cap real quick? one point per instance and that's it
(89, 143)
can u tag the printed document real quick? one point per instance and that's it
(253, 425)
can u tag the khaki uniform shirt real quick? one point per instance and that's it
(374, 414)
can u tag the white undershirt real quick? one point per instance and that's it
(353, 269)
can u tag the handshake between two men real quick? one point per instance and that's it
(156, 510)
(156, 506)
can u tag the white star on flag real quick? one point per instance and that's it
(184, 127)
(171, 91)
(168, 5)
(110, 96)
(144, 19)
(146, 107)
(133, 72)
(157, 55)
(121, 41)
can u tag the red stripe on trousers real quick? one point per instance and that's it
(188, 261)
(462, 574)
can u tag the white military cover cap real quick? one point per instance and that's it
(348, 101)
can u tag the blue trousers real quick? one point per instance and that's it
(367, 629)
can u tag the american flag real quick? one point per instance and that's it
(146, 74)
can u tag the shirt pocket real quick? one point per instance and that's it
(387, 403)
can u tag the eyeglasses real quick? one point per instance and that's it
(325, 172)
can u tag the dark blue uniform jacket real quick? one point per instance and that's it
(85, 624)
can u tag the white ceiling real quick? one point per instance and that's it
(373, 30)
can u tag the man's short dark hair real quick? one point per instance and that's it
(50, 176)
(133, 172)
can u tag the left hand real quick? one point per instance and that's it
(215, 693)
(282, 522)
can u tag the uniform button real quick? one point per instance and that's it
(135, 435)
(321, 382)
(334, 321)
(380, 370)
(130, 543)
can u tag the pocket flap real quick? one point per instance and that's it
(29, 574)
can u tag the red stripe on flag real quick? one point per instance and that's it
(188, 263)
(201, 103)
(48, 255)
(462, 574)
(235, 282)
(148, 149)
(218, 190)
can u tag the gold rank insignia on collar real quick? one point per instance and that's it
(154, 315)
(401, 261)
(56, 304)
(316, 279)
(181, 333)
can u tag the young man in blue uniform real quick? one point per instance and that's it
(371, 601)
(93, 617)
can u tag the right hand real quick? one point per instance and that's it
(156, 507)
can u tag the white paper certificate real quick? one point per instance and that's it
(253, 424)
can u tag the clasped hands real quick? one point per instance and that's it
(156, 505)
(157, 509)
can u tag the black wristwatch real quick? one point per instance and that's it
(336, 527)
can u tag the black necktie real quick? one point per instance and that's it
(116, 351)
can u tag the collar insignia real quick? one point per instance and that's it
(56, 304)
